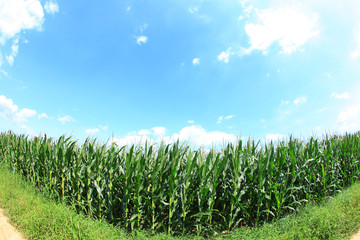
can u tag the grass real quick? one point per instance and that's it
(177, 190)
(333, 218)
(38, 217)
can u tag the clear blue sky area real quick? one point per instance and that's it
(206, 72)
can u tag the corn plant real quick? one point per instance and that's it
(172, 188)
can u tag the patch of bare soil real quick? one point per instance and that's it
(7, 231)
(356, 236)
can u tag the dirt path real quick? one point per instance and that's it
(356, 236)
(7, 231)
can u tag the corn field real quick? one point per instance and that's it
(173, 189)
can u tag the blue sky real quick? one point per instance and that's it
(203, 71)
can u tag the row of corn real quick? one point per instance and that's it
(175, 189)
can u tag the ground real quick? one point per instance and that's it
(7, 231)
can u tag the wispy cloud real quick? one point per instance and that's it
(92, 131)
(349, 113)
(51, 7)
(191, 121)
(356, 53)
(141, 39)
(225, 55)
(43, 115)
(300, 100)
(196, 61)
(221, 118)
(349, 119)
(104, 127)
(344, 95)
(14, 52)
(193, 10)
(66, 119)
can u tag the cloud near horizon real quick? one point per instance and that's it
(195, 135)
(9, 110)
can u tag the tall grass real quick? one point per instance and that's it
(173, 189)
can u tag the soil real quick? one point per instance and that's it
(7, 231)
(356, 236)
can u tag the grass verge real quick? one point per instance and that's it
(37, 217)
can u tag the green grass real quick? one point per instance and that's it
(336, 218)
(38, 217)
(174, 189)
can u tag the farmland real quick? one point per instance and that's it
(174, 189)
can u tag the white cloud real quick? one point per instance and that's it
(103, 127)
(28, 130)
(128, 8)
(51, 7)
(10, 111)
(248, 9)
(349, 119)
(274, 137)
(344, 95)
(322, 109)
(92, 131)
(66, 119)
(18, 15)
(159, 131)
(196, 61)
(144, 132)
(290, 27)
(14, 52)
(221, 118)
(193, 10)
(141, 39)
(191, 121)
(43, 115)
(351, 112)
(299, 100)
(131, 139)
(356, 52)
(4, 72)
(24, 114)
(195, 135)
(201, 137)
(225, 55)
